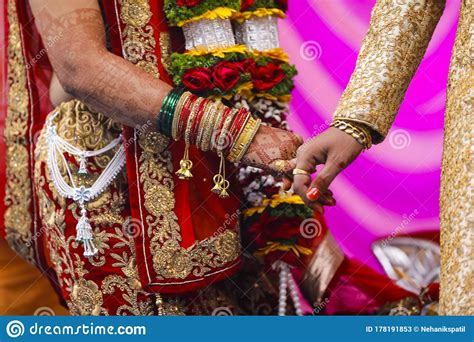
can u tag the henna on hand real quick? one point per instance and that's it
(74, 36)
(273, 149)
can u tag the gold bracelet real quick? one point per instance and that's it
(192, 115)
(244, 140)
(177, 114)
(359, 133)
(220, 110)
(207, 126)
(235, 148)
(221, 141)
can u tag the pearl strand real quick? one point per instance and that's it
(287, 280)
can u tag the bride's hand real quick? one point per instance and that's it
(273, 149)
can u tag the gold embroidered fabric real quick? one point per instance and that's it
(395, 43)
(84, 285)
(392, 50)
(18, 192)
(165, 49)
(139, 42)
(457, 180)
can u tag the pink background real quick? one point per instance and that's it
(394, 187)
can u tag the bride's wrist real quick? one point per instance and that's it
(207, 124)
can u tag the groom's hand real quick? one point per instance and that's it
(333, 148)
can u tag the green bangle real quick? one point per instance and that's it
(169, 114)
(166, 114)
(159, 123)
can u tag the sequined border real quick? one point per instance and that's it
(18, 193)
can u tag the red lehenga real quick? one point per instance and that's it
(166, 246)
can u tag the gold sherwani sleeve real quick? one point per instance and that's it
(398, 36)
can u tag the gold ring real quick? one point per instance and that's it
(300, 172)
(280, 165)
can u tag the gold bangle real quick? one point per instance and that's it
(203, 123)
(244, 140)
(208, 127)
(192, 115)
(236, 144)
(221, 141)
(359, 133)
(220, 110)
(249, 139)
(177, 114)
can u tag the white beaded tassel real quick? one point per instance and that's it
(81, 195)
(83, 164)
(286, 280)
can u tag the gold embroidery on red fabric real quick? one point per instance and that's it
(165, 49)
(139, 42)
(89, 130)
(18, 192)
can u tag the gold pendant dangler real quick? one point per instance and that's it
(185, 165)
(220, 183)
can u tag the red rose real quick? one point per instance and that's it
(198, 79)
(267, 76)
(246, 65)
(226, 75)
(189, 3)
(246, 4)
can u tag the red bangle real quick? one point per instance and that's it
(239, 121)
(224, 116)
(185, 114)
(196, 121)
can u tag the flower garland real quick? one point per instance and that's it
(273, 229)
(235, 73)
(261, 81)
(180, 12)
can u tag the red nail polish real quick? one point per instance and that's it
(313, 194)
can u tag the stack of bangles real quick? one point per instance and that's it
(210, 126)
(358, 131)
